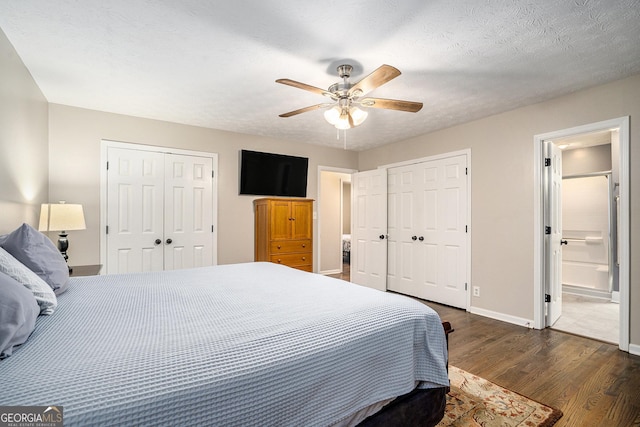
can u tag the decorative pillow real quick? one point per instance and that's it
(41, 291)
(18, 313)
(38, 253)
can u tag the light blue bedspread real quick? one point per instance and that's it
(254, 344)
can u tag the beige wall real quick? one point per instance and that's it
(75, 136)
(23, 142)
(502, 178)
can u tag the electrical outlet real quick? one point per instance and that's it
(476, 291)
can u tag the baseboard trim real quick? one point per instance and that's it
(634, 349)
(328, 272)
(527, 323)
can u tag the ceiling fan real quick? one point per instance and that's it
(346, 97)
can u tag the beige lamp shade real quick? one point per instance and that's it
(61, 217)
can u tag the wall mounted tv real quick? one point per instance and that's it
(268, 174)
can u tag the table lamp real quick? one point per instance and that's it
(62, 217)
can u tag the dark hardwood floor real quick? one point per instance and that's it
(591, 382)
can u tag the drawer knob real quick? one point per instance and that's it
(279, 261)
(304, 245)
(278, 246)
(304, 258)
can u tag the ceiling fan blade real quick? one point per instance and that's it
(304, 110)
(305, 86)
(380, 76)
(391, 104)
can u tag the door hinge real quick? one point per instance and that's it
(547, 229)
(107, 229)
(547, 161)
(547, 298)
(107, 165)
(212, 228)
(466, 171)
(465, 286)
(213, 174)
(466, 228)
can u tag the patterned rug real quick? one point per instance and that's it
(474, 401)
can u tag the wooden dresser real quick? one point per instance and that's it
(284, 231)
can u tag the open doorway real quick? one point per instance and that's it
(334, 222)
(590, 183)
(547, 270)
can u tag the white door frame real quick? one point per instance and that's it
(538, 224)
(106, 144)
(317, 249)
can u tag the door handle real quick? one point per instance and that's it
(414, 238)
(169, 241)
(382, 236)
(421, 238)
(158, 241)
(563, 242)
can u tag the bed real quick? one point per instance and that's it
(231, 345)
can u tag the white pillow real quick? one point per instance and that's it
(39, 288)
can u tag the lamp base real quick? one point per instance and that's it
(63, 245)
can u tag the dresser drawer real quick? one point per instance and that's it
(289, 246)
(293, 260)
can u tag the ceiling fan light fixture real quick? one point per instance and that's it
(332, 115)
(343, 122)
(358, 116)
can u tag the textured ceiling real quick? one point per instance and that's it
(214, 63)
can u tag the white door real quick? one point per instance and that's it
(405, 254)
(159, 211)
(428, 210)
(553, 232)
(135, 211)
(369, 229)
(188, 237)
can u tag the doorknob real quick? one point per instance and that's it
(564, 242)
(158, 241)
(169, 241)
(414, 238)
(421, 238)
(382, 237)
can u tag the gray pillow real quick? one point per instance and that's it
(41, 291)
(18, 313)
(38, 254)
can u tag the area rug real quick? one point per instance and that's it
(474, 401)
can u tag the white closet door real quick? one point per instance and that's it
(428, 230)
(135, 211)
(448, 221)
(188, 237)
(369, 229)
(405, 255)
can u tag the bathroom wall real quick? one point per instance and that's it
(586, 206)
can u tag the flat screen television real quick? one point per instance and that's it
(268, 174)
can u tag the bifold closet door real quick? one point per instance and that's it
(159, 211)
(427, 223)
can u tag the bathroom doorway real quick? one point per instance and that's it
(590, 271)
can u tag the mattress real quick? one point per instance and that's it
(244, 344)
